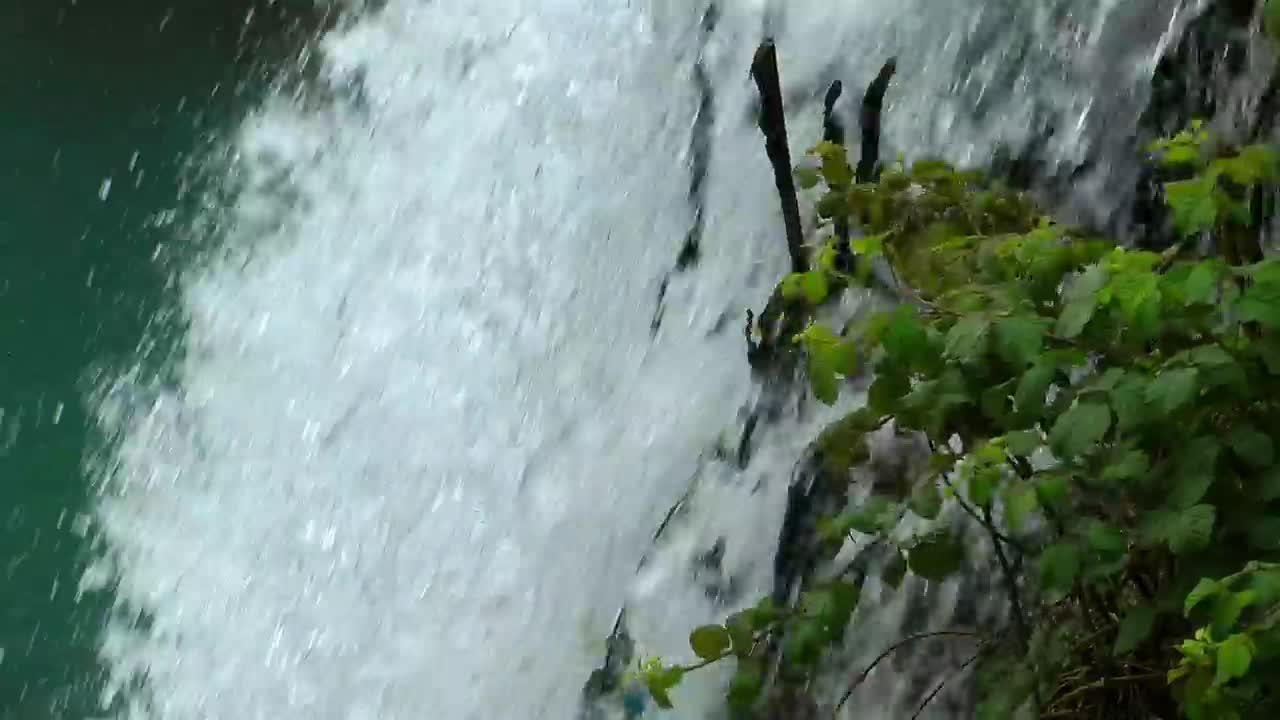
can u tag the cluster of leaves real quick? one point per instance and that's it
(1108, 417)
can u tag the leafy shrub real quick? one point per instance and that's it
(1108, 417)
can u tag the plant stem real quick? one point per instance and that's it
(945, 680)
(889, 651)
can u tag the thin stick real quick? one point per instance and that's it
(946, 680)
(872, 104)
(889, 651)
(773, 123)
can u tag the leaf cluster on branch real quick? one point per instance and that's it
(1107, 417)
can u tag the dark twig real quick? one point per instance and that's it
(889, 651)
(1011, 585)
(989, 527)
(946, 680)
(773, 123)
(872, 104)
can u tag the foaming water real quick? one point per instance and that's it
(422, 428)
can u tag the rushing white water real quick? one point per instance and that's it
(420, 433)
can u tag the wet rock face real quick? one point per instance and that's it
(1221, 70)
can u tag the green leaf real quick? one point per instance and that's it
(905, 341)
(710, 642)
(966, 340)
(1202, 284)
(1132, 465)
(1076, 314)
(926, 501)
(1194, 471)
(1183, 531)
(746, 684)
(1079, 429)
(1053, 490)
(822, 375)
(1172, 389)
(835, 166)
(868, 246)
(1227, 610)
(1235, 654)
(894, 571)
(1019, 502)
(1059, 567)
(660, 681)
(1252, 445)
(1019, 339)
(1135, 628)
(741, 633)
(1268, 486)
(936, 556)
(982, 484)
(1194, 204)
(1203, 590)
(1129, 402)
(1264, 533)
(807, 177)
(1106, 538)
(1023, 443)
(1029, 398)
(1261, 304)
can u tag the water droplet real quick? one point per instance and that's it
(105, 190)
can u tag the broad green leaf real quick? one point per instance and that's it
(935, 557)
(815, 286)
(1267, 487)
(1019, 339)
(746, 684)
(982, 485)
(894, 571)
(1193, 203)
(1135, 628)
(1019, 502)
(1023, 443)
(1205, 589)
(868, 246)
(1106, 538)
(741, 632)
(807, 177)
(1053, 490)
(967, 339)
(710, 642)
(822, 375)
(1182, 530)
(832, 204)
(1202, 284)
(846, 358)
(1172, 389)
(1227, 609)
(1252, 445)
(1194, 471)
(1132, 465)
(1029, 398)
(926, 500)
(905, 341)
(660, 681)
(876, 515)
(1079, 429)
(1129, 402)
(1268, 349)
(1076, 314)
(835, 167)
(1264, 533)
(1261, 304)
(1059, 566)
(1235, 654)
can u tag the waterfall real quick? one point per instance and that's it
(442, 375)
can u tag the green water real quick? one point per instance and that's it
(86, 90)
